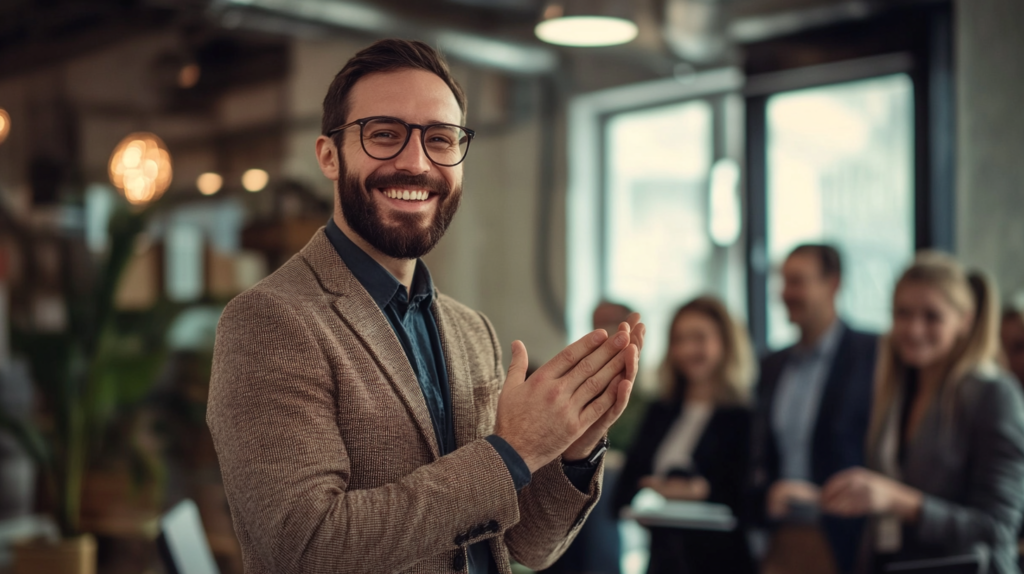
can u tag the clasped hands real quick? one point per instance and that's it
(568, 405)
(850, 493)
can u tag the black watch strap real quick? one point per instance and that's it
(593, 458)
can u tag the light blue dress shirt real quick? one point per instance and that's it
(797, 401)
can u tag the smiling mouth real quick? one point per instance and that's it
(407, 194)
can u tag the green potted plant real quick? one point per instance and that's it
(84, 376)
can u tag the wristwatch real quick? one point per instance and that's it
(593, 458)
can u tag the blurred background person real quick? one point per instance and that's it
(693, 442)
(813, 404)
(597, 548)
(1012, 336)
(946, 446)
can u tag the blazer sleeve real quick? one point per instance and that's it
(551, 509)
(994, 501)
(286, 470)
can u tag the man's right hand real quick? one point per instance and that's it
(782, 492)
(541, 416)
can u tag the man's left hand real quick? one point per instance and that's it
(586, 444)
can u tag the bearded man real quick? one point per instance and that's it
(363, 421)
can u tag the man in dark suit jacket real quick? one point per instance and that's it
(813, 405)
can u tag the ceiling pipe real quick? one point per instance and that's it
(472, 48)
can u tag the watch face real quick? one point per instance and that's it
(595, 456)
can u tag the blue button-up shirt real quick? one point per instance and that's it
(416, 328)
(797, 401)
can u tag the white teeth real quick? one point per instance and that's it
(407, 195)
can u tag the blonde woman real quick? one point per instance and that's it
(694, 441)
(946, 444)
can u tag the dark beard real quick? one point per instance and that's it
(406, 238)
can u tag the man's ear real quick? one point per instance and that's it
(327, 157)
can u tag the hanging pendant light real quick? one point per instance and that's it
(5, 125)
(140, 168)
(586, 23)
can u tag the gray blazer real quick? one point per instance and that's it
(971, 472)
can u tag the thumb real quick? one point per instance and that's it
(518, 366)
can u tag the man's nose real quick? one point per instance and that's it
(413, 158)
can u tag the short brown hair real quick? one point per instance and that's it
(827, 256)
(384, 56)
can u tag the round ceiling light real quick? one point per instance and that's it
(140, 168)
(586, 31)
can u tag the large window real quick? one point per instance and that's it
(841, 169)
(638, 223)
(656, 243)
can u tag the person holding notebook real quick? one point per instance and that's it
(694, 441)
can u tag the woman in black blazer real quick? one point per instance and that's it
(694, 441)
(946, 446)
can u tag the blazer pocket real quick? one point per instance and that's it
(485, 401)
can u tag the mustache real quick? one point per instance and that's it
(435, 185)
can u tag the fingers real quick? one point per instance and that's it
(518, 365)
(602, 404)
(594, 363)
(597, 384)
(632, 361)
(637, 335)
(636, 330)
(570, 356)
(621, 398)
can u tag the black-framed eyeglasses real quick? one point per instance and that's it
(384, 137)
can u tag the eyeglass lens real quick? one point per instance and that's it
(384, 138)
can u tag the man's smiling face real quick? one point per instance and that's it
(401, 206)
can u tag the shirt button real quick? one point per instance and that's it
(459, 562)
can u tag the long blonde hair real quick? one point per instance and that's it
(973, 295)
(736, 372)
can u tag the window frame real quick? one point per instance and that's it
(924, 53)
(586, 247)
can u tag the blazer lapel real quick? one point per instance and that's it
(460, 383)
(368, 323)
(358, 310)
(765, 453)
(831, 400)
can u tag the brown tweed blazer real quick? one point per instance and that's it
(326, 446)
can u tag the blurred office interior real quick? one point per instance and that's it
(688, 160)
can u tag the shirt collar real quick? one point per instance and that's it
(825, 345)
(378, 281)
